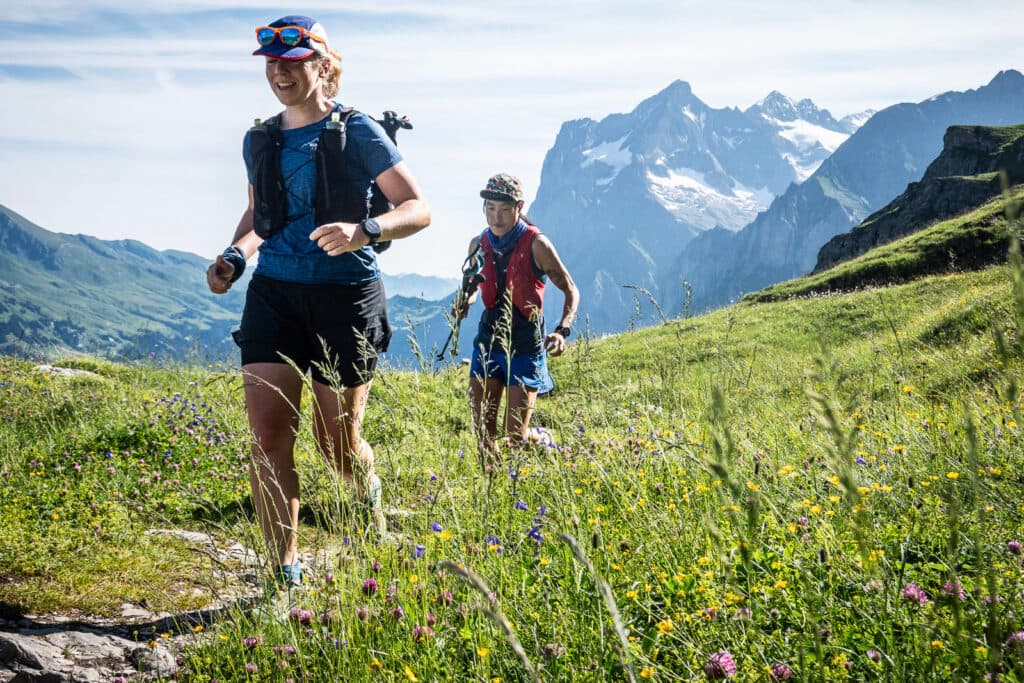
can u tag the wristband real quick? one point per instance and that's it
(562, 330)
(236, 257)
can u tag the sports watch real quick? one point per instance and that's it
(372, 229)
(563, 330)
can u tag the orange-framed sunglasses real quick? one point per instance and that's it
(289, 35)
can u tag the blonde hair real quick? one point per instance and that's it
(333, 78)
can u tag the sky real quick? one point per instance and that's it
(124, 118)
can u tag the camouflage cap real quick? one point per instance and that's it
(503, 188)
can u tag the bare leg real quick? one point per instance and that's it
(272, 395)
(338, 422)
(521, 401)
(484, 398)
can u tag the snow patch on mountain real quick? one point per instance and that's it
(686, 194)
(611, 154)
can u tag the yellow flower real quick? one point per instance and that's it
(545, 561)
(646, 672)
(780, 584)
(908, 389)
(413, 579)
(410, 675)
(752, 486)
(938, 644)
(446, 535)
(952, 475)
(375, 665)
(198, 628)
(631, 595)
(482, 652)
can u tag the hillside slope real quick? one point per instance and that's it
(964, 176)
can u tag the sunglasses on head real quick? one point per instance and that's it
(289, 35)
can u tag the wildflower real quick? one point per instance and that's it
(954, 590)
(370, 586)
(520, 505)
(375, 665)
(397, 613)
(445, 598)
(743, 614)
(952, 475)
(646, 672)
(535, 533)
(553, 651)
(938, 644)
(720, 666)
(446, 535)
(375, 566)
(252, 642)
(781, 672)
(914, 593)
(285, 649)
(362, 613)
(436, 527)
(251, 668)
(410, 675)
(1016, 642)
(1014, 547)
(421, 633)
(482, 652)
(431, 619)
(874, 655)
(665, 626)
(418, 551)
(301, 616)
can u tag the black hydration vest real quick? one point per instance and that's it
(336, 198)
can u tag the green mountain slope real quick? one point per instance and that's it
(119, 298)
(969, 241)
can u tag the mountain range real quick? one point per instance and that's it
(122, 299)
(730, 201)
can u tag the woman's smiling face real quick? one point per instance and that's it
(295, 82)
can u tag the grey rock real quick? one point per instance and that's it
(156, 660)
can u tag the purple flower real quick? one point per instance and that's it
(285, 649)
(362, 613)
(720, 666)
(436, 527)
(520, 505)
(376, 566)
(861, 461)
(914, 593)
(397, 613)
(418, 551)
(1014, 547)
(445, 598)
(874, 655)
(535, 533)
(542, 510)
(421, 633)
(251, 668)
(252, 641)
(370, 586)
(1016, 642)
(781, 672)
(301, 616)
(492, 540)
(553, 651)
(955, 591)
(431, 619)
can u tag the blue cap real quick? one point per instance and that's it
(304, 48)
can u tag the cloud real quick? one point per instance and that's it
(129, 118)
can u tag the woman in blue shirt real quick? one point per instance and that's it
(316, 300)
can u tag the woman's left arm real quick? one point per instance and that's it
(410, 215)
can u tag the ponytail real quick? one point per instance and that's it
(333, 78)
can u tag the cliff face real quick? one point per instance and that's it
(963, 176)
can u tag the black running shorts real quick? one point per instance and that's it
(334, 330)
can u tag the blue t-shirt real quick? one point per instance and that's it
(289, 254)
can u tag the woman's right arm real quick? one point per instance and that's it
(218, 275)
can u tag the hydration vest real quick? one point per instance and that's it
(335, 200)
(519, 276)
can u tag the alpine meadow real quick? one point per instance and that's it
(825, 486)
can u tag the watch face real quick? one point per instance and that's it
(372, 229)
